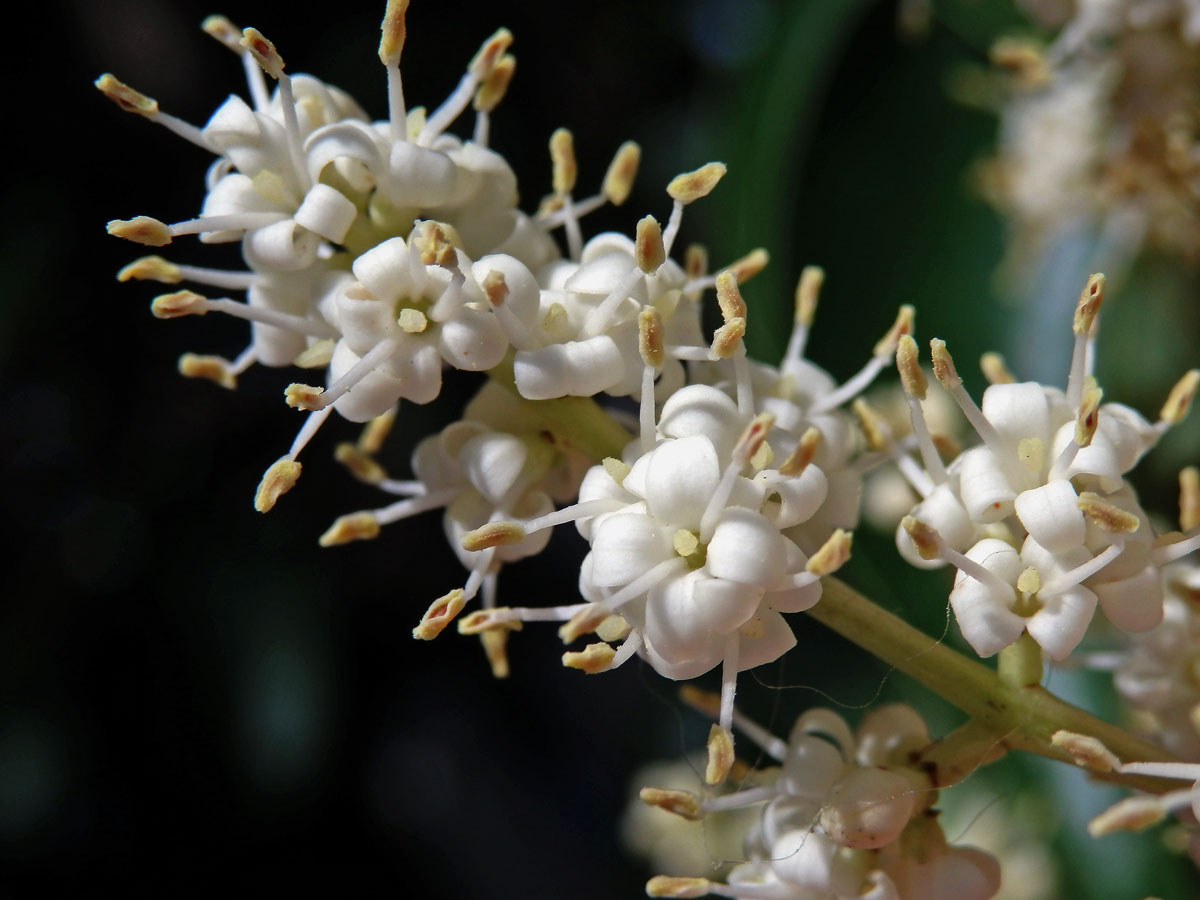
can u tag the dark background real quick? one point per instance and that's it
(193, 695)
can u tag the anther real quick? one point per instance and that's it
(586, 621)
(728, 338)
(808, 291)
(361, 526)
(677, 886)
(691, 186)
(304, 396)
(488, 619)
(1023, 58)
(1189, 498)
(180, 303)
(360, 464)
(749, 265)
(886, 346)
(212, 368)
(151, 268)
(614, 628)
(223, 30)
(720, 755)
(592, 659)
(562, 158)
(495, 86)
(1087, 751)
(802, 455)
(495, 648)
(263, 51)
(1088, 418)
(648, 250)
(280, 478)
(679, 803)
(1089, 304)
(909, 366)
(752, 437)
(729, 298)
(141, 230)
(618, 180)
(316, 355)
(695, 261)
(1131, 814)
(943, 364)
(491, 51)
(994, 369)
(1107, 516)
(127, 98)
(924, 537)
(392, 32)
(440, 614)
(375, 432)
(493, 534)
(650, 337)
(1179, 401)
(874, 428)
(834, 554)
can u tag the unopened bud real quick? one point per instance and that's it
(141, 230)
(280, 478)
(440, 614)
(691, 186)
(618, 180)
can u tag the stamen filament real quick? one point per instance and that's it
(1067, 580)
(741, 799)
(852, 388)
(673, 223)
(1171, 552)
(312, 424)
(451, 108)
(729, 670)
(647, 580)
(573, 513)
(268, 316)
(403, 509)
(231, 222)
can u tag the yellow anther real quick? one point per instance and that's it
(316, 355)
(1023, 58)
(691, 186)
(495, 86)
(126, 97)
(1029, 581)
(263, 51)
(706, 703)
(151, 268)
(361, 526)
(763, 457)
(1131, 814)
(618, 180)
(1179, 401)
(1088, 418)
(211, 368)
(375, 432)
(808, 292)
(304, 396)
(679, 803)
(493, 534)
(886, 345)
(803, 454)
(583, 622)
(489, 53)
(180, 303)
(412, 321)
(908, 363)
(752, 437)
(749, 265)
(834, 554)
(695, 261)
(1089, 304)
(494, 287)
(1107, 516)
(874, 428)
(1189, 498)
(994, 369)
(650, 337)
(280, 478)
(947, 447)
(648, 250)
(437, 242)
(720, 755)
(223, 30)
(592, 659)
(673, 886)
(562, 158)
(495, 648)
(441, 613)
(392, 32)
(141, 230)
(729, 298)
(943, 365)
(728, 338)
(924, 537)
(488, 619)
(360, 464)
(1086, 750)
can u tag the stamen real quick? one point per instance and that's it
(411, 506)
(808, 291)
(912, 379)
(189, 303)
(729, 298)
(493, 534)
(1168, 553)
(574, 513)
(802, 455)
(598, 319)
(695, 265)
(584, 621)
(1070, 578)
(206, 224)
(880, 440)
(495, 86)
(268, 58)
(1107, 516)
(650, 345)
(361, 466)
(141, 230)
(709, 704)
(497, 617)
(213, 368)
(728, 339)
(230, 35)
(440, 614)
(139, 104)
(1130, 814)
(478, 69)
(931, 545)
(375, 432)
(648, 250)
(622, 171)
(742, 799)
(720, 751)
(1087, 751)
(885, 351)
(948, 377)
(280, 478)
(748, 443)
(592, 659)
(1085, 315)
(1179, 401)
(155, 268)
(393, 31)
(834, 554)
(677, 886)
(688, 188)
(749, 265)
(667, 569)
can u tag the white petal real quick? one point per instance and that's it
(746, 547)
(1018, 411)
(473, 340)
(327, 212)
(701, 409)
(684, 616)
(983, 611)
(385, 270)
(680, 478)
(766, 638)
(943, 511)
(580, 368)
(984, 486)
(1061, 622)
(1052, 516)
(624, 546)
(374, 395)
(1134, 603)
(420, 177)
(493, 462)
(422, 374)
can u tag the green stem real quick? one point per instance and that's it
(1020, 664)
(952, 758)
(1023, 718)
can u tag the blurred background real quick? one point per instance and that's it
(193, 694)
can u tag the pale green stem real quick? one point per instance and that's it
(1020, 663)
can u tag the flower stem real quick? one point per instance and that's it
(1020, 663)
(1020, 717)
